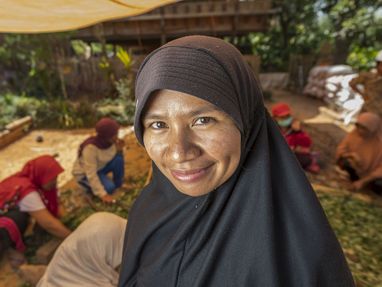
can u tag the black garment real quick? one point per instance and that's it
(21, 220)
(345, 165)
(305, 159)
(264, 227)
(376, 186)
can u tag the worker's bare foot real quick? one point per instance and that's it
(15, 258)
(32, 273)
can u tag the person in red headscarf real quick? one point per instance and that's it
(97, 157)
(298, 140)
(30, 192)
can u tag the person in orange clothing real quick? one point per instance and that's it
(359, 154)
(30, 192)
(298, 140)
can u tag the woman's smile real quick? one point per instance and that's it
(191, 175)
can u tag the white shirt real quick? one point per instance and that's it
(91, 161)
(31, 202)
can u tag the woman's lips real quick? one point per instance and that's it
(189, 175)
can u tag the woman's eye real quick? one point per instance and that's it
(203, 121)
(158, 125)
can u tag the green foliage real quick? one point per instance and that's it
(354, 20)
(120, 109)
(303, 25)
(79, 47)
(269, 47)
(13, 107)
(33, 61)
(46, 114)
(65, 114)
(357, 225)
(362, 58)
(352, 23)
(124, 57)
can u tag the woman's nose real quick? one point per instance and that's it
(181, 146)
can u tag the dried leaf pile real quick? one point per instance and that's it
(358, 226)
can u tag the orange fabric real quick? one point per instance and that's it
(38, 16)
(368, 150)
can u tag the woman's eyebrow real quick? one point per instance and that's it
(205, 109)
(155, 115)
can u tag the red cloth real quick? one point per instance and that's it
(298, 139)
(13, 231)
(35, 173)
(106, 129)
(281, 110)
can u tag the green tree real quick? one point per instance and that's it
(32, 63)
(354, 23)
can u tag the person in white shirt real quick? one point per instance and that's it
(30, 192)
(97, 157)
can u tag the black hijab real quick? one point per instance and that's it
(264, 227)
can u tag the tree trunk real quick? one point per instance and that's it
(341, 51)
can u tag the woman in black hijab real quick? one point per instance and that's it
(228, 204)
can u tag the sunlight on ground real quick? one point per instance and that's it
(327, 116)
(65, 143)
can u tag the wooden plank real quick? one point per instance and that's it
(15, 130)
(25, 121)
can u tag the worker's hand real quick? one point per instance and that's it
(296, 126)
(358, 184)
(300, 149)
(353, 159)
(120, 144)
(107, 199)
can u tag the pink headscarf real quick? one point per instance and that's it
(106, 129)
(369, 150)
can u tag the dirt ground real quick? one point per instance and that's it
(325, 131)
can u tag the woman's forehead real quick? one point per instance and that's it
(170, 103)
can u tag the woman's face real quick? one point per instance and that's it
(363, 131)
(195, 145)
(50, 184)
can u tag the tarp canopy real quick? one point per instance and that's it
(38, 16)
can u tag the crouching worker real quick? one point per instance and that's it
(360, 153)
(30, 192)
(90, 256)
(298, 140)
(97, 157)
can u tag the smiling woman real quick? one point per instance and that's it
(194, 144)
(228, 204)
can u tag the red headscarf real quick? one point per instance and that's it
(35, 173)
(281, 110)
(106, 129)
